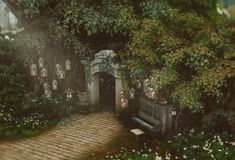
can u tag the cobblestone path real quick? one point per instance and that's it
(74, 138)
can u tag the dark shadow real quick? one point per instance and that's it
(107, 91)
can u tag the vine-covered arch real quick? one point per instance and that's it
(103, 63)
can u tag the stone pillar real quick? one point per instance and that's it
(118, 88)
(93, 88)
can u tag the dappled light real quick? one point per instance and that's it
(117, 80)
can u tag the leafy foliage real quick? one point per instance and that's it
(11, 80)
(183, 46)
(198, 145)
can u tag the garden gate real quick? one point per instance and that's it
(102, 63)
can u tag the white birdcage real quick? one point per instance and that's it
(40, 62)
(54, 84)
(44, 72)
(61, 74)
(67, 65)
(46, 86)
(58, 69)
(138, 84)
(131, 93)
(47, 93)
(124, 104)
(145, 85)
(33, 70)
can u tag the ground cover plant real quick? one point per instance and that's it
(193, 144)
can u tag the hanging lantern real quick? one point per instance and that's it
(69, 93)
(67, 65)
(40, 62)
(124, 104)
(61, 74)
(47, 93)
(58, 69)
(152, 94)
(132, 93)
(44, 72)
(33, 70)
(46, 86)
(54, 85)
(173, 112)
(139, 84)
(145, 85)
(122, 100)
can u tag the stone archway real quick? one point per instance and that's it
(103, 63)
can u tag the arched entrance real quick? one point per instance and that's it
(107, 91)
(100, 69)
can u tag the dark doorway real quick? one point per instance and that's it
(107, 91)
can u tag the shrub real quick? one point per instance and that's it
(33, 121)
(198, 145)
(56, 107)
(124, 154)
(219, 121)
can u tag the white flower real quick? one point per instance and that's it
(145, 155)
(7, 37)
(158, 158)
(192, 130)
(184, 156)
(194, 146)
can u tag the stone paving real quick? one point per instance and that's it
(74, 138)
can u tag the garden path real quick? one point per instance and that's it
(74, 138)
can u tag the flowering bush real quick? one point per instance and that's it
(197, 145)
(192, 145)
(56, 107)
(124, 154)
